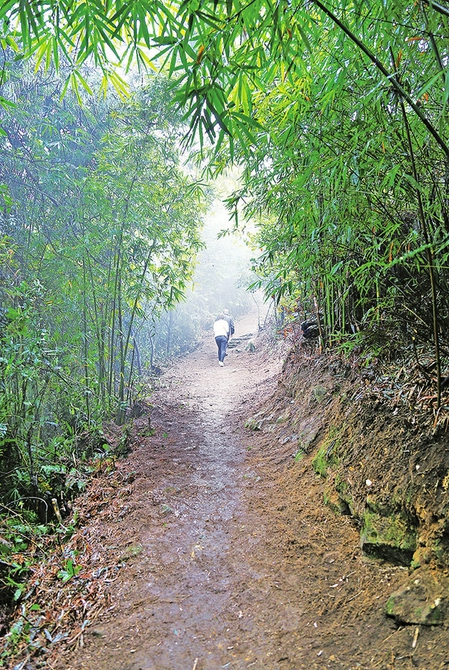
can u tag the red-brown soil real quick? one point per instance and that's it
(214, 545)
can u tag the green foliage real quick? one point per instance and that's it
(18, 532)
(325, 457)
(19, 631)
(320, 463)
(341, 131)
(299, 455)
(13, 580)
(99, 230)
(225, 53)
(68, 571)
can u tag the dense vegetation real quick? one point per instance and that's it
(100, 228)
(337, 116)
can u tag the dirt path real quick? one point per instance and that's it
(175, 606)
(229, 559)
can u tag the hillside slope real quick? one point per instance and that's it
(264, 517)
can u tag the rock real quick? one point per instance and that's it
(254, 424)
(336, 503)
(388, 538)
(251, 346)
(424, 600)
(239, 340)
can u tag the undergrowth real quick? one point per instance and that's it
(33, 527)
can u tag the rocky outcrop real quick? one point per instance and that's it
(423, 600)
(386, 465)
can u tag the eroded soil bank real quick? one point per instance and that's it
(212, 541)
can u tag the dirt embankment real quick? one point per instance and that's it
(262, 520)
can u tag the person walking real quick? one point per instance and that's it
(223, 331)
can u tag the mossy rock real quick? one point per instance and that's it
(335, 502)
(423, 600)
(324, 458)
(318, 393)
(438, 541)
(377, 506)
(319, 463)
(389, 538)
(307, 429)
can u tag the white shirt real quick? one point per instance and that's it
(221, 327)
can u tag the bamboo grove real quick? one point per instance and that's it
(99, 229)
(336, 114)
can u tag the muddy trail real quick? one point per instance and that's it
(217, 550)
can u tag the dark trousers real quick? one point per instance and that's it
(222, 343)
